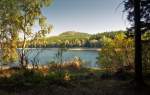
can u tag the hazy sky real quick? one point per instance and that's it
(91, 16)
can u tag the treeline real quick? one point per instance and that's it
(77, 39)
(117, 52)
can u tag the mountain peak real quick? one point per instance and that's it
(72, 33)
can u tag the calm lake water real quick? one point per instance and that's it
(47, 55)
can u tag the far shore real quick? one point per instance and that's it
(30, 66)
(88, 49)
(92, 49)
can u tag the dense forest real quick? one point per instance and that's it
(72, 39)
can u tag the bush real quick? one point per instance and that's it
(73, 65)
(121, 74)
(116, 53)
(106, 75)
(146, 57)
(26, 78)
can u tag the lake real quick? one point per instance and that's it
(49, 54)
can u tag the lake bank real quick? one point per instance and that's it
(76, 49)
(86, 49)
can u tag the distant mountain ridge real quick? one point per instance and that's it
(73, 33)
(67, 36)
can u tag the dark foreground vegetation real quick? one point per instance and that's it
(69, 81)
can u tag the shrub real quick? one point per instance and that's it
(146, 57)
(74, 65)
(121, 74)
(106, 75)
(116, 53)
(26, 78)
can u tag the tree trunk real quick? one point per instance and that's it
(138, 45)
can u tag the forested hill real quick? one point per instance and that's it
(74, 33)
(73, 39)
(69, 39)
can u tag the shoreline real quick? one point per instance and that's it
(75, 49)
(30, 66)
(88, 49)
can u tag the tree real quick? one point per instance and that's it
(116, 53)
(138, 45)
(17, 18)
(31, 12)
(9, 23)
(138, 14)
(144, 13)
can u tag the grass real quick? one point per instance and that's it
(82, 82)
(84, 87)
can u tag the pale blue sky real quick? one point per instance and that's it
(91, 16)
